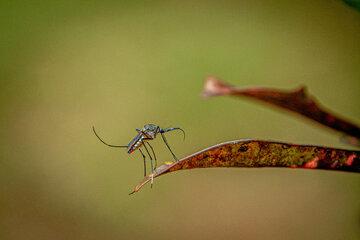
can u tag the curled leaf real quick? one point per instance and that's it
(297, 100)
(256, 153)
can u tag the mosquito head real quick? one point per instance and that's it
(151, 130)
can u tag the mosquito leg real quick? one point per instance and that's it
(144, 161)
(153, 154)
(151, 159)
(151, 162)
(152, 180)
(165, 141)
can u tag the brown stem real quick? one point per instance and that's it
(297, 100)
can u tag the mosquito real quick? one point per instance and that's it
(147, 133)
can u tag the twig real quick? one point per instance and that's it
(296, 100)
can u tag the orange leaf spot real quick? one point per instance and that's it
(312, 163)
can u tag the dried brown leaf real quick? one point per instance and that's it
(256, 153)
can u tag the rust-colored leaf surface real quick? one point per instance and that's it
(256, 153)
(297, 100)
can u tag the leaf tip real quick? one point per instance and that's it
(214, 87)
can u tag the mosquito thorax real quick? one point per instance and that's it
(151, 130)
(150, 127)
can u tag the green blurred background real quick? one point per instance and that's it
(68, 65)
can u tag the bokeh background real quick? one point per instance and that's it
(68, 65)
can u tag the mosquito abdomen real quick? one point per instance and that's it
(135, 143)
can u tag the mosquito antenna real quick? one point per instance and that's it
(172, 129)
(105, 142)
